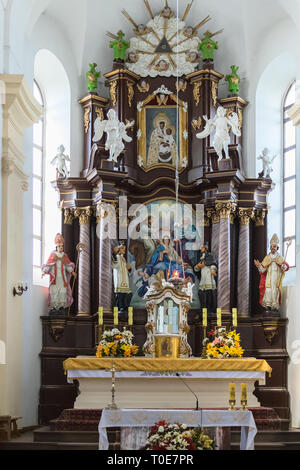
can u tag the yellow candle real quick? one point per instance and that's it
(204, 316)
(231, 392)
(243, 392)
(234, 317)
(130, 316)
(219, 317)
(100, 316)
(116, 316)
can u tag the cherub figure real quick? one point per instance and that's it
(60, 161)
(222, 125)
(267, 162)
(116, 133)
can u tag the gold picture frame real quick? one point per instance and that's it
(163, 113)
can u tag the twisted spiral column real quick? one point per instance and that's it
(243, 301)
(215, 233)
(224, 209)
(84, 270)
(104, 217)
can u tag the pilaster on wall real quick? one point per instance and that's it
(20, 111)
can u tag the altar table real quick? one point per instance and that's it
(137, 418)
(152, 382)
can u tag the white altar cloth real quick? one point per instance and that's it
(204, 418)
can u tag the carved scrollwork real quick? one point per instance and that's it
(68, 216)
(130, 93)
(196, 92)
(113, 92)
(86, 119)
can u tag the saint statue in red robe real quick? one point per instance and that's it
(60, 269)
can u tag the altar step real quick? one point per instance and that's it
(271, 440)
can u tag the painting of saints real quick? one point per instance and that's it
(162, 147)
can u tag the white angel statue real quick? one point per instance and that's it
(60, 161)
(267, 162)
(221, 124)
(116, 133)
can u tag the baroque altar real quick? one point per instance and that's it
(162, 102)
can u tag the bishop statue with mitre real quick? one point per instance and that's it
(271, 270)
(60, 269)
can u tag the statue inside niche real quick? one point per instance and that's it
(116, 134)
(272, 270)
(121, 270)
(221, 125)
(206, 270)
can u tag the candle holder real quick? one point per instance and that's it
(244, 405)
(232, 405)
(113, 405)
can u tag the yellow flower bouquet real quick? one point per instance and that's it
(115, 343)
(221, 345)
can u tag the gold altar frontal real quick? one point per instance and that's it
(152, 382)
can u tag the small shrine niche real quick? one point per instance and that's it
(167, 308)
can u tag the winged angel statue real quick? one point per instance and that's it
(116, 133)
(221, 124)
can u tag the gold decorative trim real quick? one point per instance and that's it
(93, 97)
(145, 89)
(238, 99)
(116, 72)
(240, 118)
(113, 92)
(130, 93)
(86, 119)
(200, 72)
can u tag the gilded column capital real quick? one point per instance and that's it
(213, 215)
(245, 215)
(68, 216)
(84, 215)
(259, 217)
(226, 209)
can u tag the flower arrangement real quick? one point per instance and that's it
(220, 344)
(166, 436)
(115, 343)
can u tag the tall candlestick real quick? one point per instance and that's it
(219, 317)
(130, 316)
(244, 396)
(232, 392)
(116, 316)
(234, 317)
(243, 392)
(100, 316)
(204, 317)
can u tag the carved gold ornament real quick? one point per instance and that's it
(196, 92)
(86, 119)
(196, 123)
(214, 92)
(130, 93)
(113, 92)
(260, 216)
(245, 215)
(225, 209)
(240, 117)
(84, 215)
(143, 89)
(68, 216)
(99, 113)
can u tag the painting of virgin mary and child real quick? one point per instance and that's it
(161, 135)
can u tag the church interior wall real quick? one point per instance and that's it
(250, 47)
